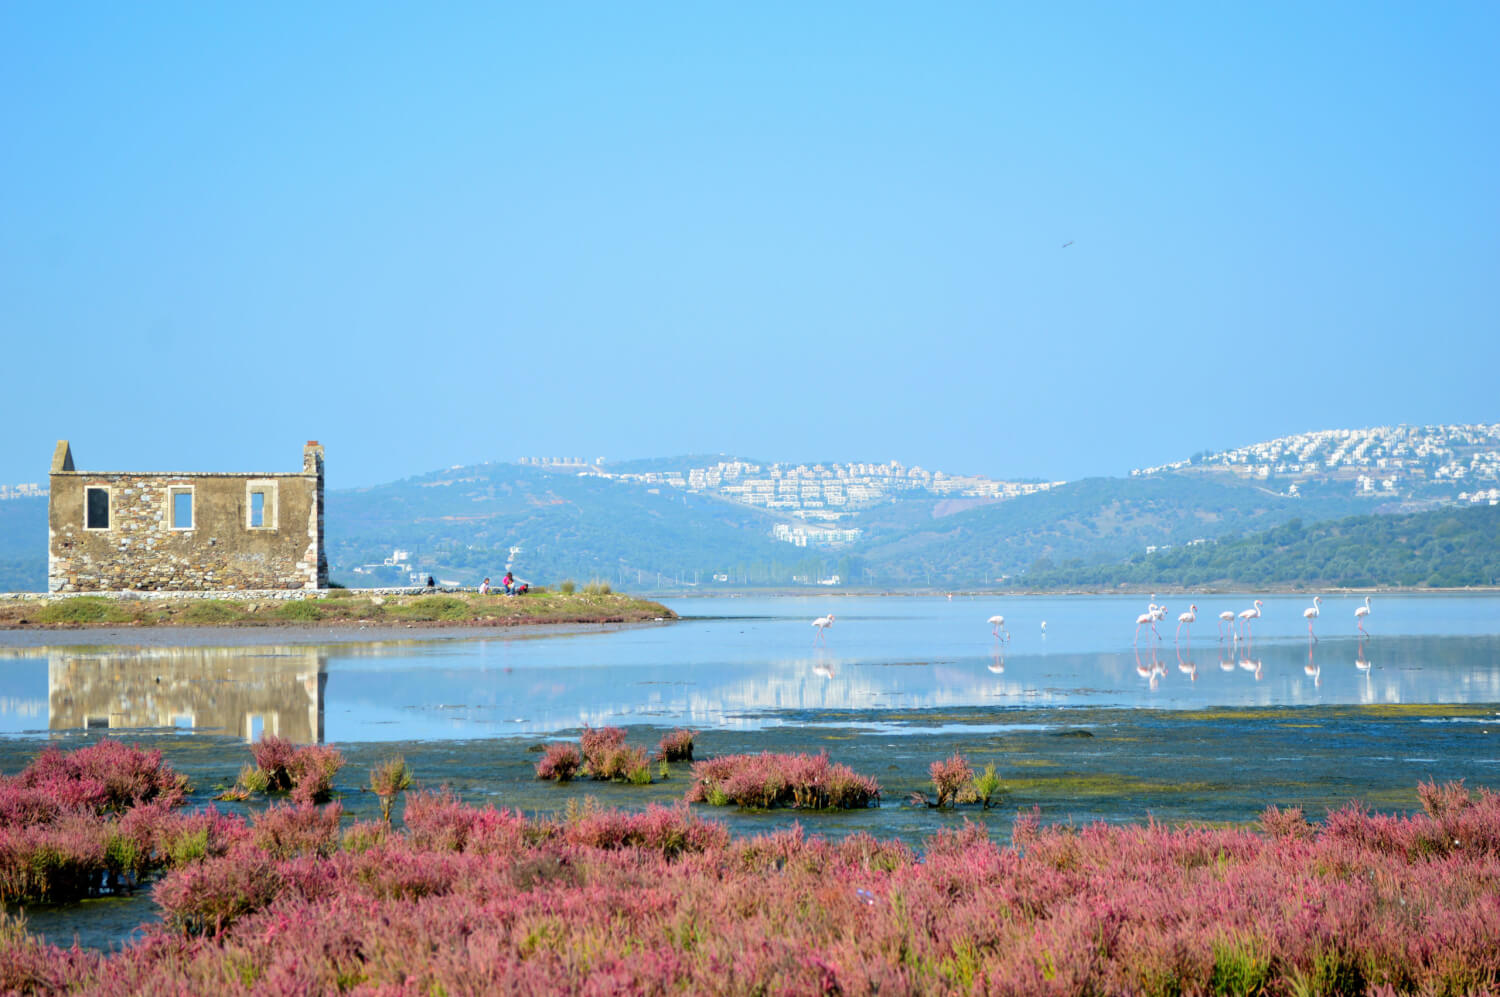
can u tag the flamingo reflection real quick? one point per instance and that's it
(1151, 671)
(1311, 668)
(1187, 667)
(1249, 665)
(1360, 661)
(997, 662)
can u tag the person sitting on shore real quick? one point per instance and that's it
(430, 582)
(484, 587)
(522, 588)
(509, 582)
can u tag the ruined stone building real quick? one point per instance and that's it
(117, 530)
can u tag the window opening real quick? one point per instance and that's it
(182, 509)
(97, 515)
(257, 508)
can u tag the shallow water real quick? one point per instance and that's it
(750, 664)
(1078, 722)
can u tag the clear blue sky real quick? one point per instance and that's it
(441, 233)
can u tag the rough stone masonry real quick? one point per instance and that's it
(143, 531)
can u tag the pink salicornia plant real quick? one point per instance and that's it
(560, 763)
(950, 778)
(676, 746)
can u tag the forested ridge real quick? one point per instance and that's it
(1445, 548)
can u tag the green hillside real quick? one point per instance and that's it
(1090, 521)
(1443, 548)
(461, 523)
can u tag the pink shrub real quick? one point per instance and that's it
(668, 830)
(104, 777)
(1443, 801)
(598, 744)
(283, 832)
(439, 821)
(769, 780)
(312, 770)
(560, 763)
(677, 746)
(207, 897)
(273, 755)
(1288, 823)
(950, 778)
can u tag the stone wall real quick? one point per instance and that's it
(221, 537)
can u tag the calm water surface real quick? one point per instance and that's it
(754, 663)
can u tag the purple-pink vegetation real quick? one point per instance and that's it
(950, 778)
(560, 763)
(477, 899)
(598, 743)
(676, 746)
(770, 780)
(78, 823)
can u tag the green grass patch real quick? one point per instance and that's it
(299, 611)
(213, 611)
(85, 609)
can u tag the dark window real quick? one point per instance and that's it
(96, 515)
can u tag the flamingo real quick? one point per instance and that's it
(1187, 619)
(998, 622)
(1226, 623)
(1146, 618)
(822, 623)
(1360, 612)
(1248, 615)
(1310, 614)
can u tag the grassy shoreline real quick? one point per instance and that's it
(334, 608)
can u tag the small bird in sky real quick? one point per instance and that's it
(1067, 244)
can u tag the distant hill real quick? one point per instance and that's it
(462, 523)
(1445, 548)
(715, 520)
(1089, 521)
(1415, 465)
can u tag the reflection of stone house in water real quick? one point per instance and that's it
(116, 530)
(239, 691)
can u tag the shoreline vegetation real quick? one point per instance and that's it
(334, 609)
(303, 896)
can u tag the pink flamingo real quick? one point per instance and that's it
(998, 622)
(1360, 613)
(1187, 619)
(1226, 623)
(822, 623)
(1148, 618)
(1248, 615)
(1310, 614)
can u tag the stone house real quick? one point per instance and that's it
(119, 530)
